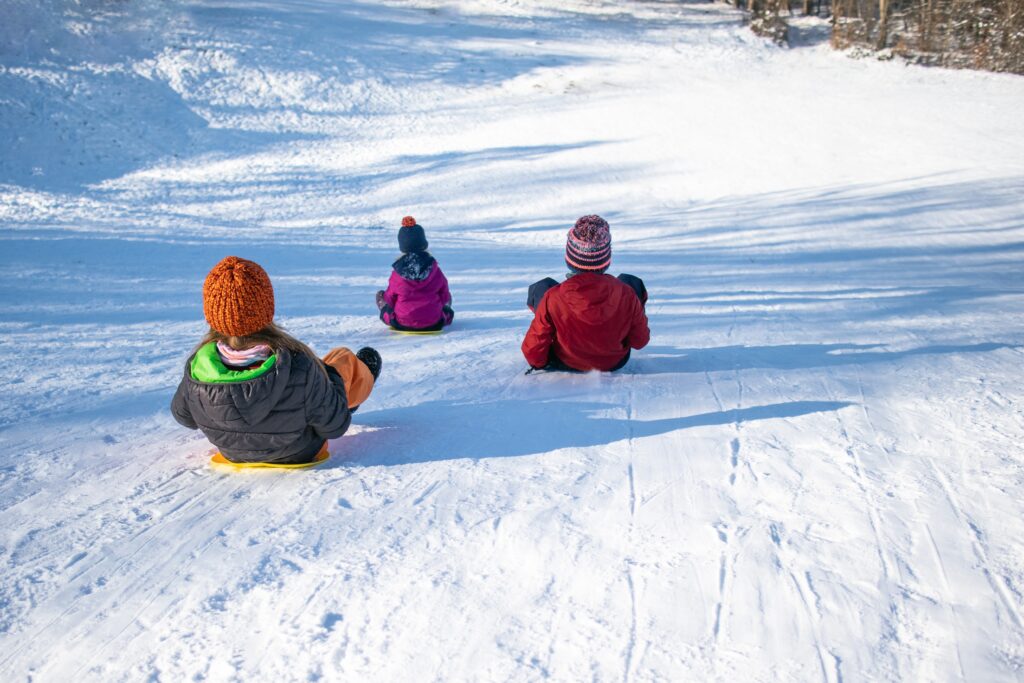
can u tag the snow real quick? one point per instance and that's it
(814, 471)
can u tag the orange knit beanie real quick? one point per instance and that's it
(238, 298)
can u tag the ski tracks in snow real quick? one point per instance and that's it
(629, 561)
(904, 491)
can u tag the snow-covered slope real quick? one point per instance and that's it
(814, 472)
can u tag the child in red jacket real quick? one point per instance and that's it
(592, 320)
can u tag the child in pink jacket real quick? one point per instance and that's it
(417, 298)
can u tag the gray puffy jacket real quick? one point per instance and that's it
(282, 416)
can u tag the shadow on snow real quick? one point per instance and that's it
(447, 430)
(667, 360)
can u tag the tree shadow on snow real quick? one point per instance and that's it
(448, 430)
(100, 120)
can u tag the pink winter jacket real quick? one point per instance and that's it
(417, 296)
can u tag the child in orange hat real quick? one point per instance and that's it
(256, 392)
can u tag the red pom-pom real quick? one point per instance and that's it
(408, 222)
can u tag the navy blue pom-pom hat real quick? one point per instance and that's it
(411, 236)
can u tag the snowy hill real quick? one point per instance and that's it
(814, 471)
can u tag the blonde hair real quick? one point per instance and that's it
(272, 335)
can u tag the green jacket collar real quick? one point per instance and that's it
(206, 366)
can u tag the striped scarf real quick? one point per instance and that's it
(244, 358)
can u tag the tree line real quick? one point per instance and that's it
(978, 34)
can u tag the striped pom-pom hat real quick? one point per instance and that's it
(589, 245)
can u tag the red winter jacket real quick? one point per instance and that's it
(590, 322)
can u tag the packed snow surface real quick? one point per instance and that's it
(814, 472)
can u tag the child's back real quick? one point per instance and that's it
(256, 392)
(588, 322)
(417, 297)
(419, 290)
(592, 320)
(282, 411)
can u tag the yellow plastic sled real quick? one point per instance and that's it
(424, 333)
(219, 460)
